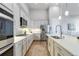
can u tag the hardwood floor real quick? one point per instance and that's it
(38, 48)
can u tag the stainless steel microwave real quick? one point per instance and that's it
(23, 22)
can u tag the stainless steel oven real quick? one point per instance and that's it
(6, 26)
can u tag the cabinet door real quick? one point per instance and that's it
(60, 51)
(37, 36)
(18, 49)
(57, 51)
(49, 45)
(29, 41)
(24, 45)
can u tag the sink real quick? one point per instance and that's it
(56, 37)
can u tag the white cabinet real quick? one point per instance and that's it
(29, 41)
(55, 49)
(60, 51)
(24, 46)
(50, 46)
(36, 36)
(18, 48)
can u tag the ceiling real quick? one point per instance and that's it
(47, 5)
(72, 7)
(40, 5)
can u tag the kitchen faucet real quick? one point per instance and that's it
(60, 30)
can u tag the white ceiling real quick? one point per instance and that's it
(72, 7)
(39, 5)
(47, 5)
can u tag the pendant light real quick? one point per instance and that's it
(66, 12)
(59, 17)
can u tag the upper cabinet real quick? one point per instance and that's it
(18, 10)
(25, 9)
(20, 13)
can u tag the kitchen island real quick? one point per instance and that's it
(68, 46)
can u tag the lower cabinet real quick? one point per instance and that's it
(55, 49)
(50, 46)
(21, 47)
(36, 36)
(60, 51)
(18, 49)
(29, 41)
(24, 46)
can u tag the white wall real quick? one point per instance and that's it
(38, 17)
(18, 12)
(53, 18)
(72, 20)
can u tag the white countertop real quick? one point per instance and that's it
(19, 38)
(70, 44)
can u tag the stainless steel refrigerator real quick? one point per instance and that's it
(44, 30)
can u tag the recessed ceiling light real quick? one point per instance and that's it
(66, 13)
(59, 17)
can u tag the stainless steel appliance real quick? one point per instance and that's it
(43, 32)
(23, 22)
(6, 26)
